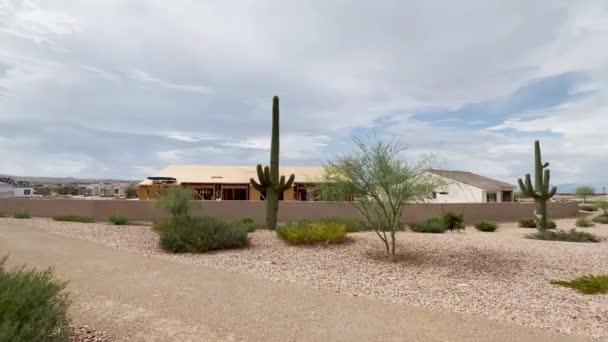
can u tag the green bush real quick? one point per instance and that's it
(531, 223)
(603, 219)
(584, 222)
(118, 219)
(74, 218)
(200, 235)
(176, 201)
(589, 284)
(249, 225)
(22, 214)
(587, 207)
(352, 225)
(453, 221)
(485, 226)
(572, 235)
(434, 225)
(33, 306)
(308, 232)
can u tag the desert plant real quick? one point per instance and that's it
(200, 235)
(33, 306)
(485, 226)
(22, 214)
(74, 218)
(308, 232)
(571, 235)
(131, 192)
(176, 201)
(268, 177)
(587, 207)
(602, 205)
(589, 284)
(532, 223)
(380, 184)
(540, 191)
(585, 191)
(352, 225)
(118, 219)
(603, 219)
(435, 225)
(584, 222)
(453, 221)
(249, 224)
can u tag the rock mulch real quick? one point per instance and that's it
(499, 275)
(87, 334)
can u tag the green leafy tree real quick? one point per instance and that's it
(131, 192)
(585, 191)
(268, 177)
(380, 184)
(176, 201)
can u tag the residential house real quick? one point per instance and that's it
(11, 188)
(468, 187)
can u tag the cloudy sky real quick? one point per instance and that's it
(121, 88)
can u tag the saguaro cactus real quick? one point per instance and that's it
(540, 191)
(268, 176)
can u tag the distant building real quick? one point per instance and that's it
(227, 183)
(467, 187)
(11, 188)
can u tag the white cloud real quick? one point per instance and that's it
(145, 77)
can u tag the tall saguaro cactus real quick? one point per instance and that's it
(268, 176)
(540, 191)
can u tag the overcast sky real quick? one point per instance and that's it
(122, 88)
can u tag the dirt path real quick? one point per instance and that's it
(138, 298)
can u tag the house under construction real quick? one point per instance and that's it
(227, 183)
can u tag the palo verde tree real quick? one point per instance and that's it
(268, 177)
(584, 192)
(540, 191)
(380, 185)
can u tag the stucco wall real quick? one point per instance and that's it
(292, 210)
(459, 193)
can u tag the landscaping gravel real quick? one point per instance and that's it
(87, 334)
(499, 275)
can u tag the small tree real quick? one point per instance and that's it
(176, 201)
(131, 192)
(584, 191)
(380, 184)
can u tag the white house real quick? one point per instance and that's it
(10, 188)
(7, 189)
(467, 187)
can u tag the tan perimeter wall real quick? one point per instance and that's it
(290, 210)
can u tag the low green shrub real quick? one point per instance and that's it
(200, 234)
(587, 207)
(308, 232)
(352, 225)
(250, 225)
(453, 221)
(589, 284)
(571, 235)
(118, 219)
(485, 226)
(22, 214)
(531, 223)
(584, 222)
(33, 306)
(434, 225)
(74, 218)
(603, 219)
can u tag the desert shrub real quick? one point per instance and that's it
(603, 219)
(308, 232)
(33, 306)
(602, 205)
(176, 201)
(74, 218)
(352, 225)
(584, 222)
(118, 219)
(431, 225)
(249, 225)
(485, 226)
(22, 214)
(589, 284)
(200, 234)
(531, 223)
(453, 221)
(587, 207)
(571, 235)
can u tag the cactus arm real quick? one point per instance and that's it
(256, 186)
(286, 185)
(552, 192)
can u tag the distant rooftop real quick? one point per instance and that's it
(475, 180)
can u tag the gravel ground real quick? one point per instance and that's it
(499, 275)
(87, 334)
